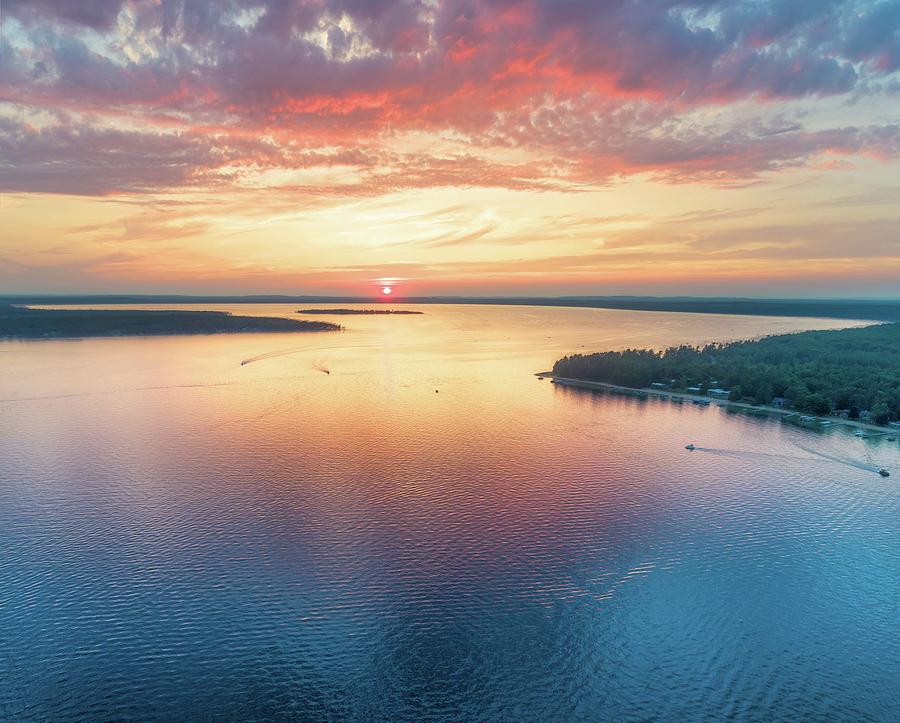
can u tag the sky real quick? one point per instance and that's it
(451, 147)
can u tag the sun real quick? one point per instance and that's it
(386, 290)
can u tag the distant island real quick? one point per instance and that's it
(26, 323)
(356, 311)
(852, 373)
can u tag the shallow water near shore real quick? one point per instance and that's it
(399, 521)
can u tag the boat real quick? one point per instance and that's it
(701, 402)
(690, 447)
(883, 472)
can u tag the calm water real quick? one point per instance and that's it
(428, 531)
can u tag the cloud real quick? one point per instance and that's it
(94, 14)
(182, 93)
(90, 161)
(692, 50)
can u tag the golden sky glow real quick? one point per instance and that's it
(451, 148)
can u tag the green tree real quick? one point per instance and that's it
(881, 413)
(817, 404)
(763, 393)
(796, 393)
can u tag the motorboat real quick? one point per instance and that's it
(690, 447)
(883, 472)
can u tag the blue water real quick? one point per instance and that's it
(183, 537)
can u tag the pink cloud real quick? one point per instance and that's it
(596, 89)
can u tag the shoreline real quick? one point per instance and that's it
(724, 403)
(850, 309)
(154, 335)
(23, 324)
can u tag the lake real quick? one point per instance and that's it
(399, 521)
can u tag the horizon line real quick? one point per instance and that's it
(457, 297)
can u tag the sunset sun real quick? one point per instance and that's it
(386, 290)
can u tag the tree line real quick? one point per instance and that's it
(26, 323)
(819, 372)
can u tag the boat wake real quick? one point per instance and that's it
(868, 466)
(274, 354)
(813, 456)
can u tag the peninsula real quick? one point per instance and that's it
(27, 323)
(356, 311)
(851, 373)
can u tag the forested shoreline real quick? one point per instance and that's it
(856, 309)
(851, 371)
(25, 323)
